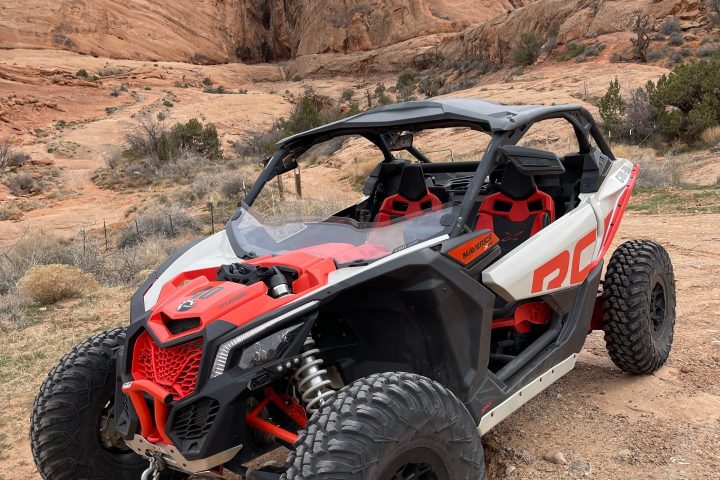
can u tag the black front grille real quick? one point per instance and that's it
(194, 421)
(177, 327)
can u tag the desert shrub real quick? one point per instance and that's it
(347, 95)
(113, 157)
(638, 123)
(131, 265)
(150, 138)
(686, 100)
(430, 86)
(235, 187)
(711, 136)
(259, 143)
(83, 74)
(207, 81)
(593, 50)
(381, 95)
(167, 224)
(218, 90)
(612, 106)
(38, 249)
(47, 284)
(5, 152)
(22, 184)
(550, 44)
(675, 59)
(9, 157)
(12, 308)
(659, 172)
(9, 212)
(675, 40)
(305, 114)
(708, 50)
(195, 137)
(572, 50)
(528, 50)
(406, 83)
(144, 137)
(655, 54)
(670, 26)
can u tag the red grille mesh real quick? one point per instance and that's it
(175, 368)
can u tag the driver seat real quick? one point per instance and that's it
(413, 196)
(517, 212)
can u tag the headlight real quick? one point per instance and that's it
(268, 349)
(226, 348)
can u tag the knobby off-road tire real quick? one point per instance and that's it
(390, 426)
(73, 403)
(639, 306)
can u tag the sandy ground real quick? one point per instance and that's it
(608, 425)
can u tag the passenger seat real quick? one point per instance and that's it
(412, 197)
(517, 212)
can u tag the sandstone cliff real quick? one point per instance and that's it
(212, 31)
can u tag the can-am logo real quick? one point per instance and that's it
(186, 305)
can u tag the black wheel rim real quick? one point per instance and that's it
(657, 310)
(416, 464)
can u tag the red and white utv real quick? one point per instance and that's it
(382, 341)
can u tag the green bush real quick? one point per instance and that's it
(528, 51)
(612, 106)
(380, 94)
(572, 50)
(406, 83)
(686, 100)
(195, 137)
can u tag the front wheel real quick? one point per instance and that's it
(72, 430)
(390, 426)
(639, 306)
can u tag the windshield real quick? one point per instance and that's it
(343, 239)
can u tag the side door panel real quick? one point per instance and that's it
(561, 255)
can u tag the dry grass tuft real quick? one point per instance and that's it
(358, 170)
(711, 136)
(47, 284)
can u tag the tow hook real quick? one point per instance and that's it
(153, 471)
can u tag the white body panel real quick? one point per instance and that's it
(558, 256)
(211, 252)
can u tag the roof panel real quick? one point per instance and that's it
(487, 114)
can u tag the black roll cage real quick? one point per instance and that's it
(584, 126)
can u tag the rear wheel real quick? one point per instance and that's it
(639, 306)
(72, 428)
(391, 426)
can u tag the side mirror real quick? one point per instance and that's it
(398, 142)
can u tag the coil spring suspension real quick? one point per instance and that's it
(310, 379)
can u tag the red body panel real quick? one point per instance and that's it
(209, 300)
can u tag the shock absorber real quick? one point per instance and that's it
(311, 380)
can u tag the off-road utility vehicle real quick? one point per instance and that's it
(382, 341)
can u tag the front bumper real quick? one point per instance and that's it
(203, 428)
(173, 458)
